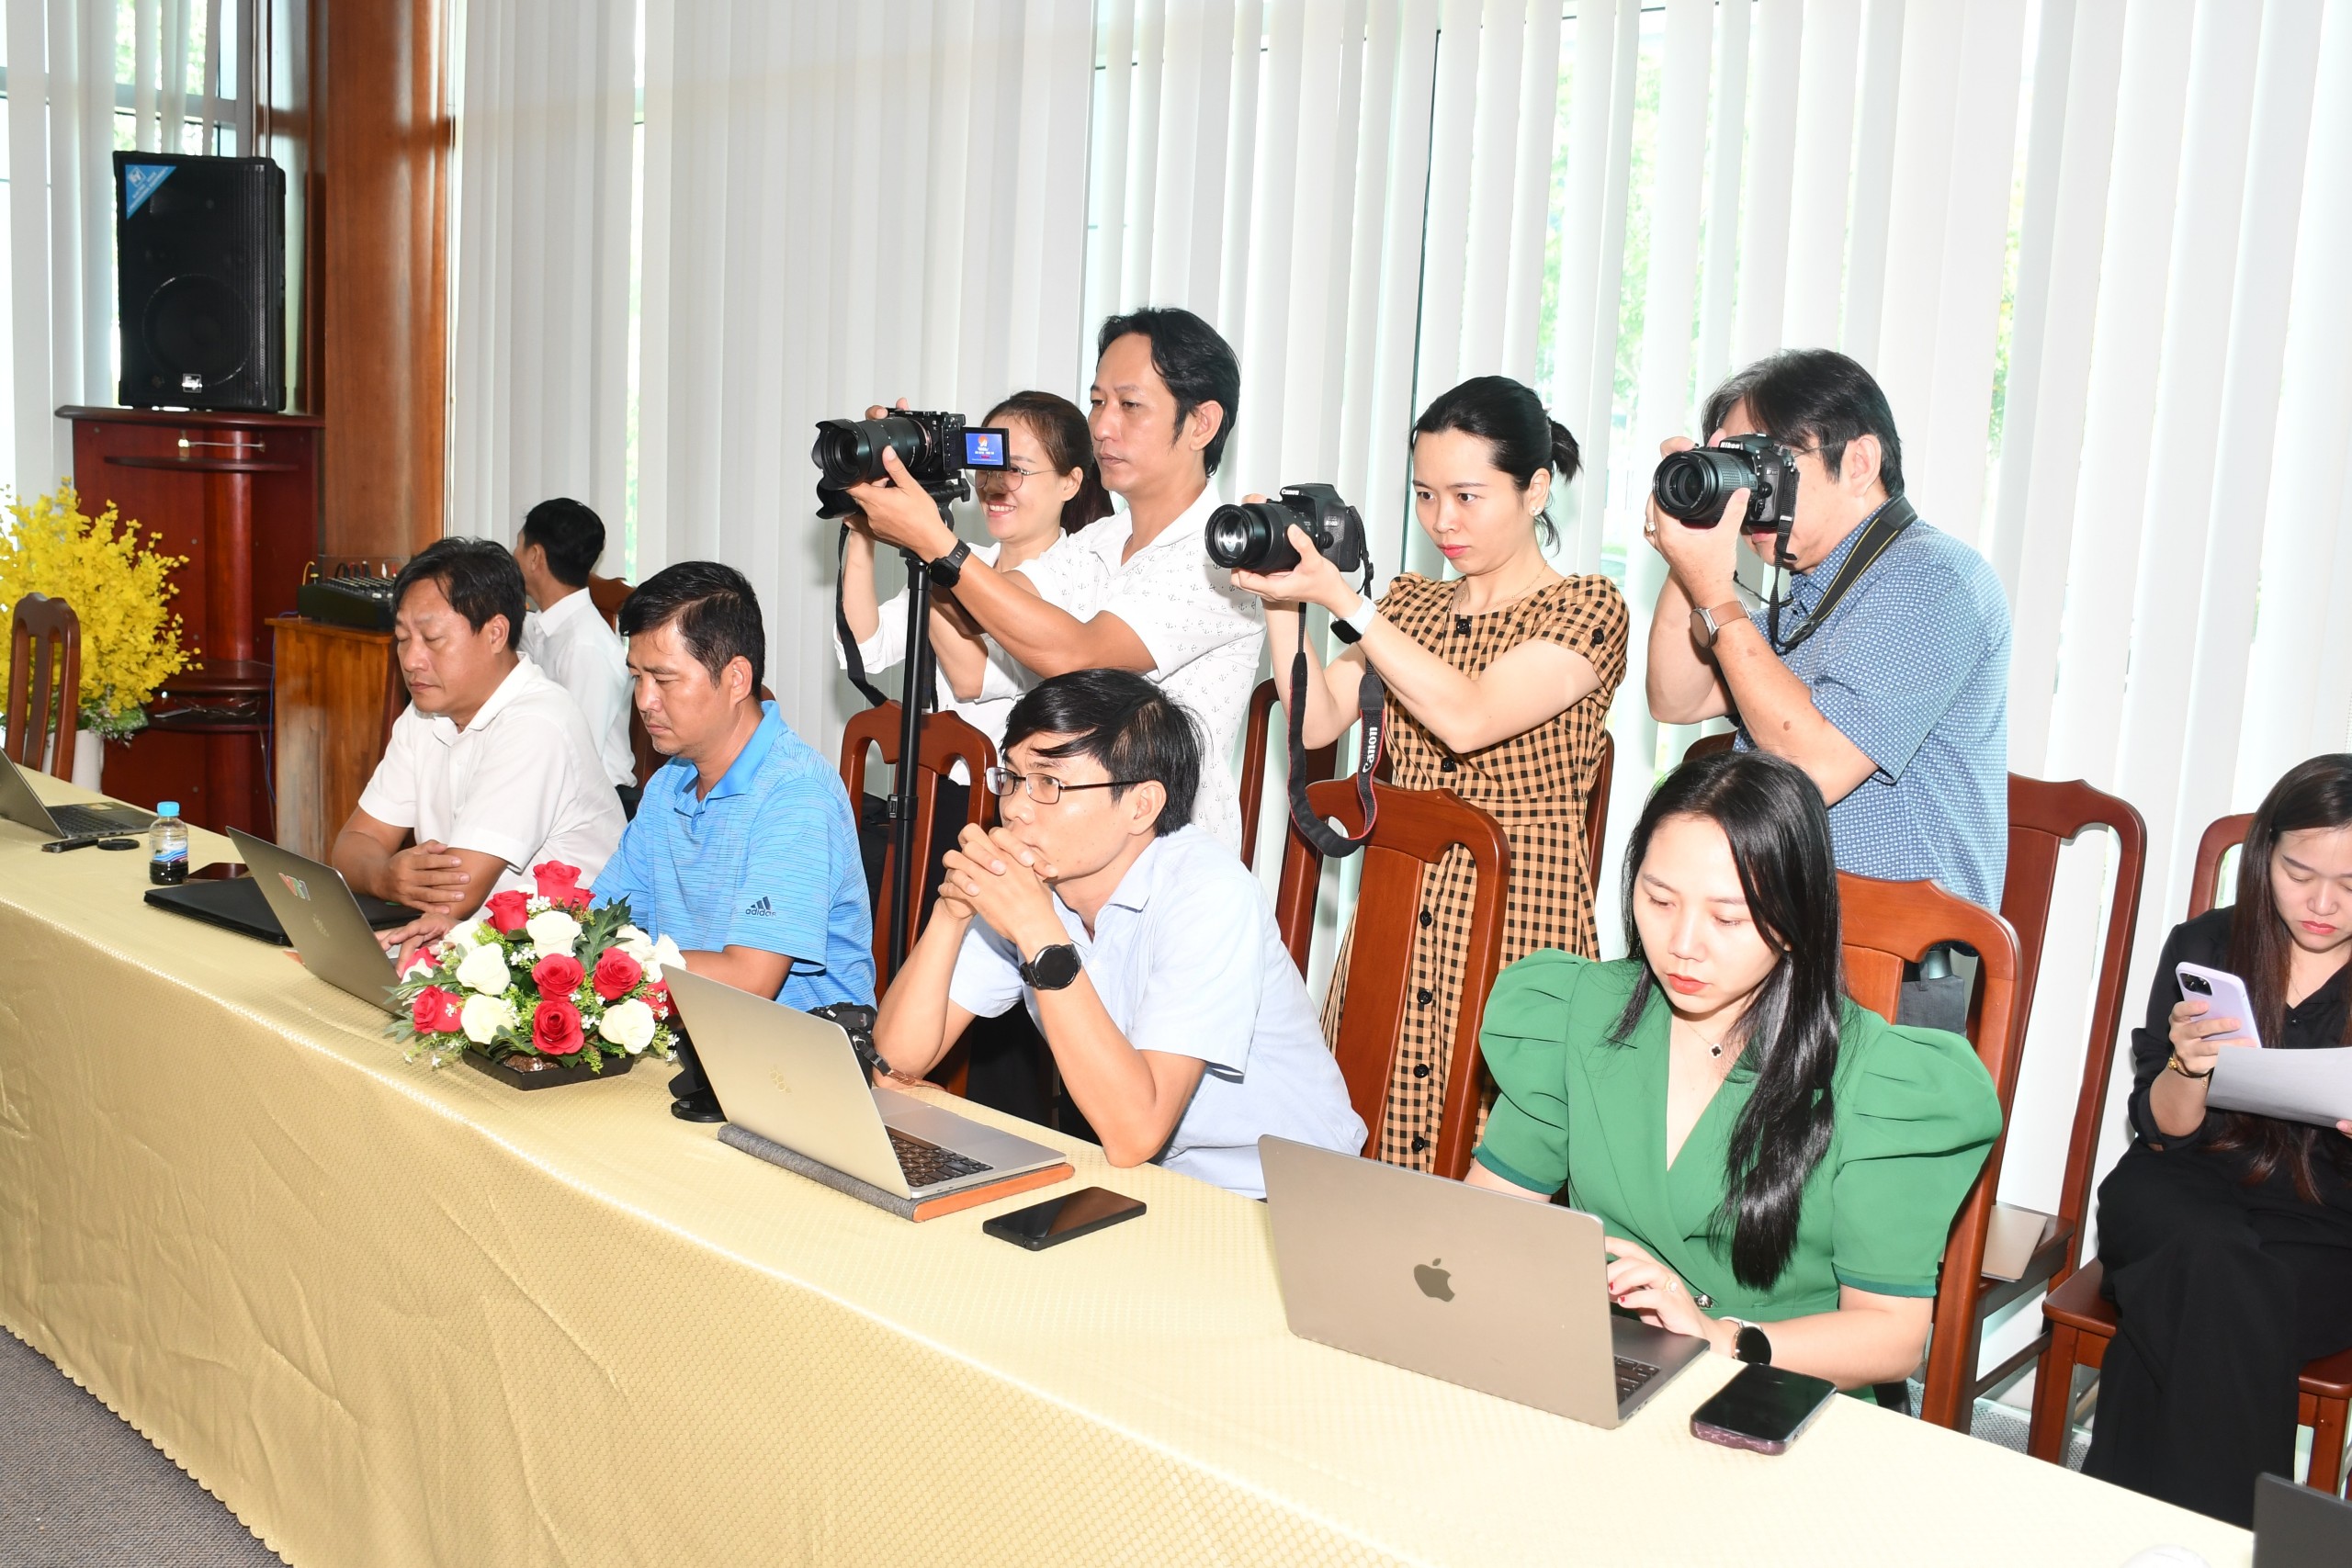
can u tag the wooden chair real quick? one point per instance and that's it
(609, 594)
(1708, 745)
(1888, 924)
(44, 683)
(1414, 830)
(1596, 808)
(2080, 1324)
(2226, 834)
(946, 741)
(1322, 761)
(2043, 818)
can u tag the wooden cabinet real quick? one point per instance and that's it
(338, 691)
(238, 495)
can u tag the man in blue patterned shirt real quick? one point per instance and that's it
(1895, 696)
(743, 851)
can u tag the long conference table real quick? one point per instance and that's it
(390, 1314)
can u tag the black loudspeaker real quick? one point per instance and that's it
(200, 264)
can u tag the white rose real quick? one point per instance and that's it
(484, 969)
(485, 1016)
(629, 1025)
(665, 955)
(635, 944)
(552, 932)
(469, 934)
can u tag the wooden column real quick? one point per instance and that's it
(383, 162)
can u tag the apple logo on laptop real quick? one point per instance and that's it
(1433, 1280)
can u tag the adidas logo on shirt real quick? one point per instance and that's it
(761, 908)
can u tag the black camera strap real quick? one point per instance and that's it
(849, 656)
(1885, 525)
(1372, 701)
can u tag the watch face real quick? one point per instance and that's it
(1054, 967)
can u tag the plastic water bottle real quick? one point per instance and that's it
(167, 845)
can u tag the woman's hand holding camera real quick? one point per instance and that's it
(1314, 580)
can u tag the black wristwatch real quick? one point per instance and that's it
(948, 570)
(1751, 1345)
(1053, 968)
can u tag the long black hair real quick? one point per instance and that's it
(1509, 418)
(2316, 793)
(1060, 426)
(1778, 830)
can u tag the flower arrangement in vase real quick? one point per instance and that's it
(117, 587)
(540, 988)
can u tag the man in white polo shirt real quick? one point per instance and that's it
(491, 771)
(1143, 594)
(567, 638)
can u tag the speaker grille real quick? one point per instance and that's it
(200, 257)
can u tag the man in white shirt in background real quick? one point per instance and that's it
(567, 638)
(1145, 594)
(491, 771)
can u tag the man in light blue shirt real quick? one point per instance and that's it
(1142, 946)
(743, 851)
(1894, 697)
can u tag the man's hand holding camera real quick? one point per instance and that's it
(1703, 560)
(993, 875)
(901, 512)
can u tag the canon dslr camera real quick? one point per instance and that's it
(1255, 534)
(935, 448)
(1695, 485)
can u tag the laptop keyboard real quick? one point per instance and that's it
(927, 1164)
(1630, 1376)
(91, 821)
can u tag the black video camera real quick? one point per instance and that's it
(1255, 534)
(1695, 485)
(935, 448)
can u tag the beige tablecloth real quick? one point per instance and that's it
(399, 1317)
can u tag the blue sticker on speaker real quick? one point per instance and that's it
(138, 183)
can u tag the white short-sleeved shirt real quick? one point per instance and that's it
(571, 644)
(1205, 636)
(522, 782)
(1187, 961)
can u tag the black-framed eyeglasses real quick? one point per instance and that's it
(1044, 788)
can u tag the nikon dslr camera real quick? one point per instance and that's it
(1255, 534)
(1695, 486)
(935, 448)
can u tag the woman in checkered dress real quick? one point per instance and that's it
(1498, 688)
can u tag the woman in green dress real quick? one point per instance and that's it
(1776, 1166)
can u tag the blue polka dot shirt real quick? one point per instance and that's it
(1913, 666)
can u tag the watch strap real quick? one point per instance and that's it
(1350, 627)
(1052, 968)
(948, 570)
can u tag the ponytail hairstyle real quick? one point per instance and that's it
(2316, 793)
(1779, 829)
(1061, 430)
(1509, 418)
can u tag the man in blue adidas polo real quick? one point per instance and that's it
(743, 851)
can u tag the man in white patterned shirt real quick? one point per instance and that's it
(1145, 594)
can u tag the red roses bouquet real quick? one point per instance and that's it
(540, 974)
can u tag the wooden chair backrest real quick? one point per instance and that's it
(609, 594)
(1257, 736)
(2226, 834)
(44, 683)
(1596, 808)
(1708, 745)
(1888, 924)
(2043, 818)
(946, 741)
(1414, 829)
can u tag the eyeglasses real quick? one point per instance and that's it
(999, 481)
(1044, 788)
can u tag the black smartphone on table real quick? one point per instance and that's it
(1763, 1409)
(1058, 1220)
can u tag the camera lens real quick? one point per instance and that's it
(1253, 536)
(849, 451)
(1694, 485)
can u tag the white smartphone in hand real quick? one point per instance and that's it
(2223, 994)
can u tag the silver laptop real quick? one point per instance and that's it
(795, 1080)
(20, 803)
(322, 919)
(1475, 1288)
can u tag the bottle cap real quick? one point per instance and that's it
(167, 808)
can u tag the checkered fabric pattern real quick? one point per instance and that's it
(1535, 785)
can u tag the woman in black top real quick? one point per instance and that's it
(2227, 1237)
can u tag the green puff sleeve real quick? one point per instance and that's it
(1916, 1118)
(1525, 1042)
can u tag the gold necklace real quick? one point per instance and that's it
(1715, 1047)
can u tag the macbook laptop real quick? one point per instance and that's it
(322, 919)
(795, 1080)
(2295, 1527)
(1475, 1288)
(236, 904)
(20, 803)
